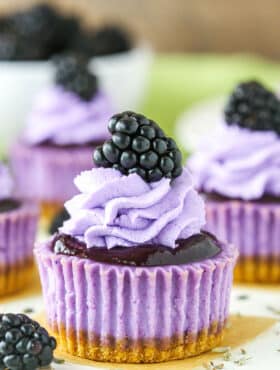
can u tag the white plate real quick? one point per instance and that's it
(263, 350)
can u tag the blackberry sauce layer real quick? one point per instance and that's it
(49, 144)
(7, 205)
(194, 249)
(221, 198)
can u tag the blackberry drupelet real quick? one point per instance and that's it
(72, 73)
(24, 344)
(58, 220)
(109, 40)
(138, 145)
(254, 107)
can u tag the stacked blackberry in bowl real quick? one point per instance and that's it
(30, 38)
(40, 32)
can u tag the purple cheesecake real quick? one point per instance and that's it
(18, 224)
(66, 123)
(130, 277)
(238, 172)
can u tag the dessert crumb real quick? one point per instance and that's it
(28, 310)
(242, 297)
(273, 309)
(58, 361)
(227, 356)
(221, 349)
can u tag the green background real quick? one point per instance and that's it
(178, 81)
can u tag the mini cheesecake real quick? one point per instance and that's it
(18, 225)
(238, 173)
(66, 122)
(131, 277)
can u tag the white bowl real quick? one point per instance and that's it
(123, 77)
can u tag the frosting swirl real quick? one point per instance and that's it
(238, 163)
(118, 210)
(63, 118)
(6, 182)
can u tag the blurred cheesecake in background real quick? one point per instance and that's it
(237, 169)
(30, 38)
(66, 122)
(18, 228)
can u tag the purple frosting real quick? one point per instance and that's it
(63, 118)
(117, 210)
(238, 163)
(6, 182)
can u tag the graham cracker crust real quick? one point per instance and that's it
(138, 351)
(258, 269)
(16, 277)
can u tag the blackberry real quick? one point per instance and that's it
(39, 32)
(24, 344)
(254, 107)
(67, 29)
(72, 73)
(13, 48)
(82, 43)
(38, 18)
(8, 46)
(38, 26)
(138, 145)
(36, 33)
(58, 220)
(109, 40)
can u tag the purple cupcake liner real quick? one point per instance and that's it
(253, 227)
(104, 304)
(46, 173)
(17, 235)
